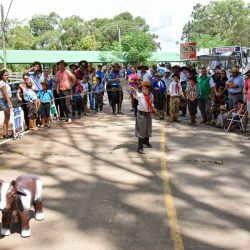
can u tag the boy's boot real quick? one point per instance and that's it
(147, 143)
(172, 117)
(43, 122)
(140, 146)
(33, 125)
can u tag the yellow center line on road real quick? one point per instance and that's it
(168, 197)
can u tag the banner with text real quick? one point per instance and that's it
(188, 51)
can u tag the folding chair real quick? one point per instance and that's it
(236, 119)
(17, 122)
(53, 112)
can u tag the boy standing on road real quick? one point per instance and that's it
(143, 127)
(45, 96)
(175, 91)
(98, 90)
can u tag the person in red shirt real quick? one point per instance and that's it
(65, 81)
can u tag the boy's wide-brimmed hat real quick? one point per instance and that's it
(158, 74)
(147, 84)
(143, 66)
(45, 82)
(176, 67)
(222, 107)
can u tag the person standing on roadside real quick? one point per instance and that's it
(235, 85)
(5, 101)
(65, 81)
(21, 88)
(206, 86)
(36, 76)
(114, 86)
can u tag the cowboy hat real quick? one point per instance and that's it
(116, 65)
(158, 74)
(73, 65)
(147, 85)
(143, 66)
(222, 107)
(63, 62)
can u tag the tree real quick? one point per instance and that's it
(225, 21)
(51, 32)
(135, 48)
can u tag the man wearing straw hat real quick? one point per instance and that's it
(235, 86)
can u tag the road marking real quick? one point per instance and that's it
(168, 197)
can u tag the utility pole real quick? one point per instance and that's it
(3, 37)
(119, 35)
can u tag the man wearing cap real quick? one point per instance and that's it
(65, 81)
(235, 85)
(114, 87)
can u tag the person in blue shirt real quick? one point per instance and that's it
(36, 76)
(235, 85)
(98, 90)
(45, 96)
(159, 93)
(78, 102)
(31, 102)
(114, 86)
(100, 73)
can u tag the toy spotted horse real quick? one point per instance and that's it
(16, 198)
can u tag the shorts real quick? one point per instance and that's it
(3, 104)
(45, 110)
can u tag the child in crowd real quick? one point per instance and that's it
(98, 91)
(192, 92)
(221, 119)
(45, 96)
(32, 103)
(85, 84)
(78, 103)
(175, 91)
(143, 128)
(219, 100)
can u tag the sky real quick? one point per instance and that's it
(166, 18)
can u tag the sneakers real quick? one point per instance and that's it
(69, 120)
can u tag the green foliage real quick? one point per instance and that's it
(52, 32)
(137, 47)
(208, 41)
(226, 22)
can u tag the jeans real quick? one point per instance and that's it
(66, 103)
(91, 100)
(205, 108)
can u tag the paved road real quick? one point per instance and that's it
(99, 194)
